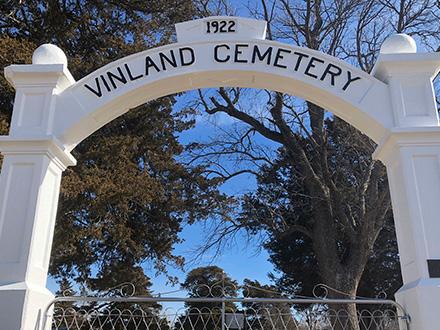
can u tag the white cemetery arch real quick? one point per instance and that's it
(395, 106)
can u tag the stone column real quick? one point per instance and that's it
(411, 153)
(29, 187)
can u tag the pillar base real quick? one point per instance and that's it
(22, 306)
(421, 299)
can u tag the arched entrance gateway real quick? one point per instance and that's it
(395, 106)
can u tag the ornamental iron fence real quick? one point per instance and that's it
(212, 308)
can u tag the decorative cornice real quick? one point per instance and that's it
(392, 64)
(49, 146)
(34, 75)
(405, 137)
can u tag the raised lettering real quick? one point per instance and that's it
(300, 57)
(130, 76)
(148, 64)
(238, 52)
(105, 83)
(312, 65)
(256, 53)
(279, 56)
(190, 59)
(217, 58)
(333, 74)
(171, 61)
(349, 80)
(112, 77)
(97, 91)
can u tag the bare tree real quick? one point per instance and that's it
(350, 203)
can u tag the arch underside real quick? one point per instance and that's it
(366, 107)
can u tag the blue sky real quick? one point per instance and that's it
(243, 258)
(240, 261)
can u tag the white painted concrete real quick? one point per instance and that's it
(81, 112)
(29, 188)
(411, 153)
(52, 113)
(398, 43)
(49, 54)
(229, 28)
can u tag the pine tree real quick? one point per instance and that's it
(123, 205)
(207, 282)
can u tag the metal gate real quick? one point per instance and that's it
(210, 312)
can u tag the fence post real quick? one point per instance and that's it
(223, 313)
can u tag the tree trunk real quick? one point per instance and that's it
(344, 316)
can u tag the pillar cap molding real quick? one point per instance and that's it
(39, 75)
(406, 64)
(48, 146)
(407, 137)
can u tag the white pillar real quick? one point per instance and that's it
(29, 188)
(411, 154)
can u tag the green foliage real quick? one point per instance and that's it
(273, 315)
(12, 50)
(323, 202)
(123, 205)
(125, 201)
(210, 282)
(207, 282)
(283, 207)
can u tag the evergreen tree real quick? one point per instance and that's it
(124, 203)
(281, 207)
(207, 282)
(274, 315)
(338, 201)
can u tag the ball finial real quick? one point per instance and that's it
(397, 44)
(49, 54)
